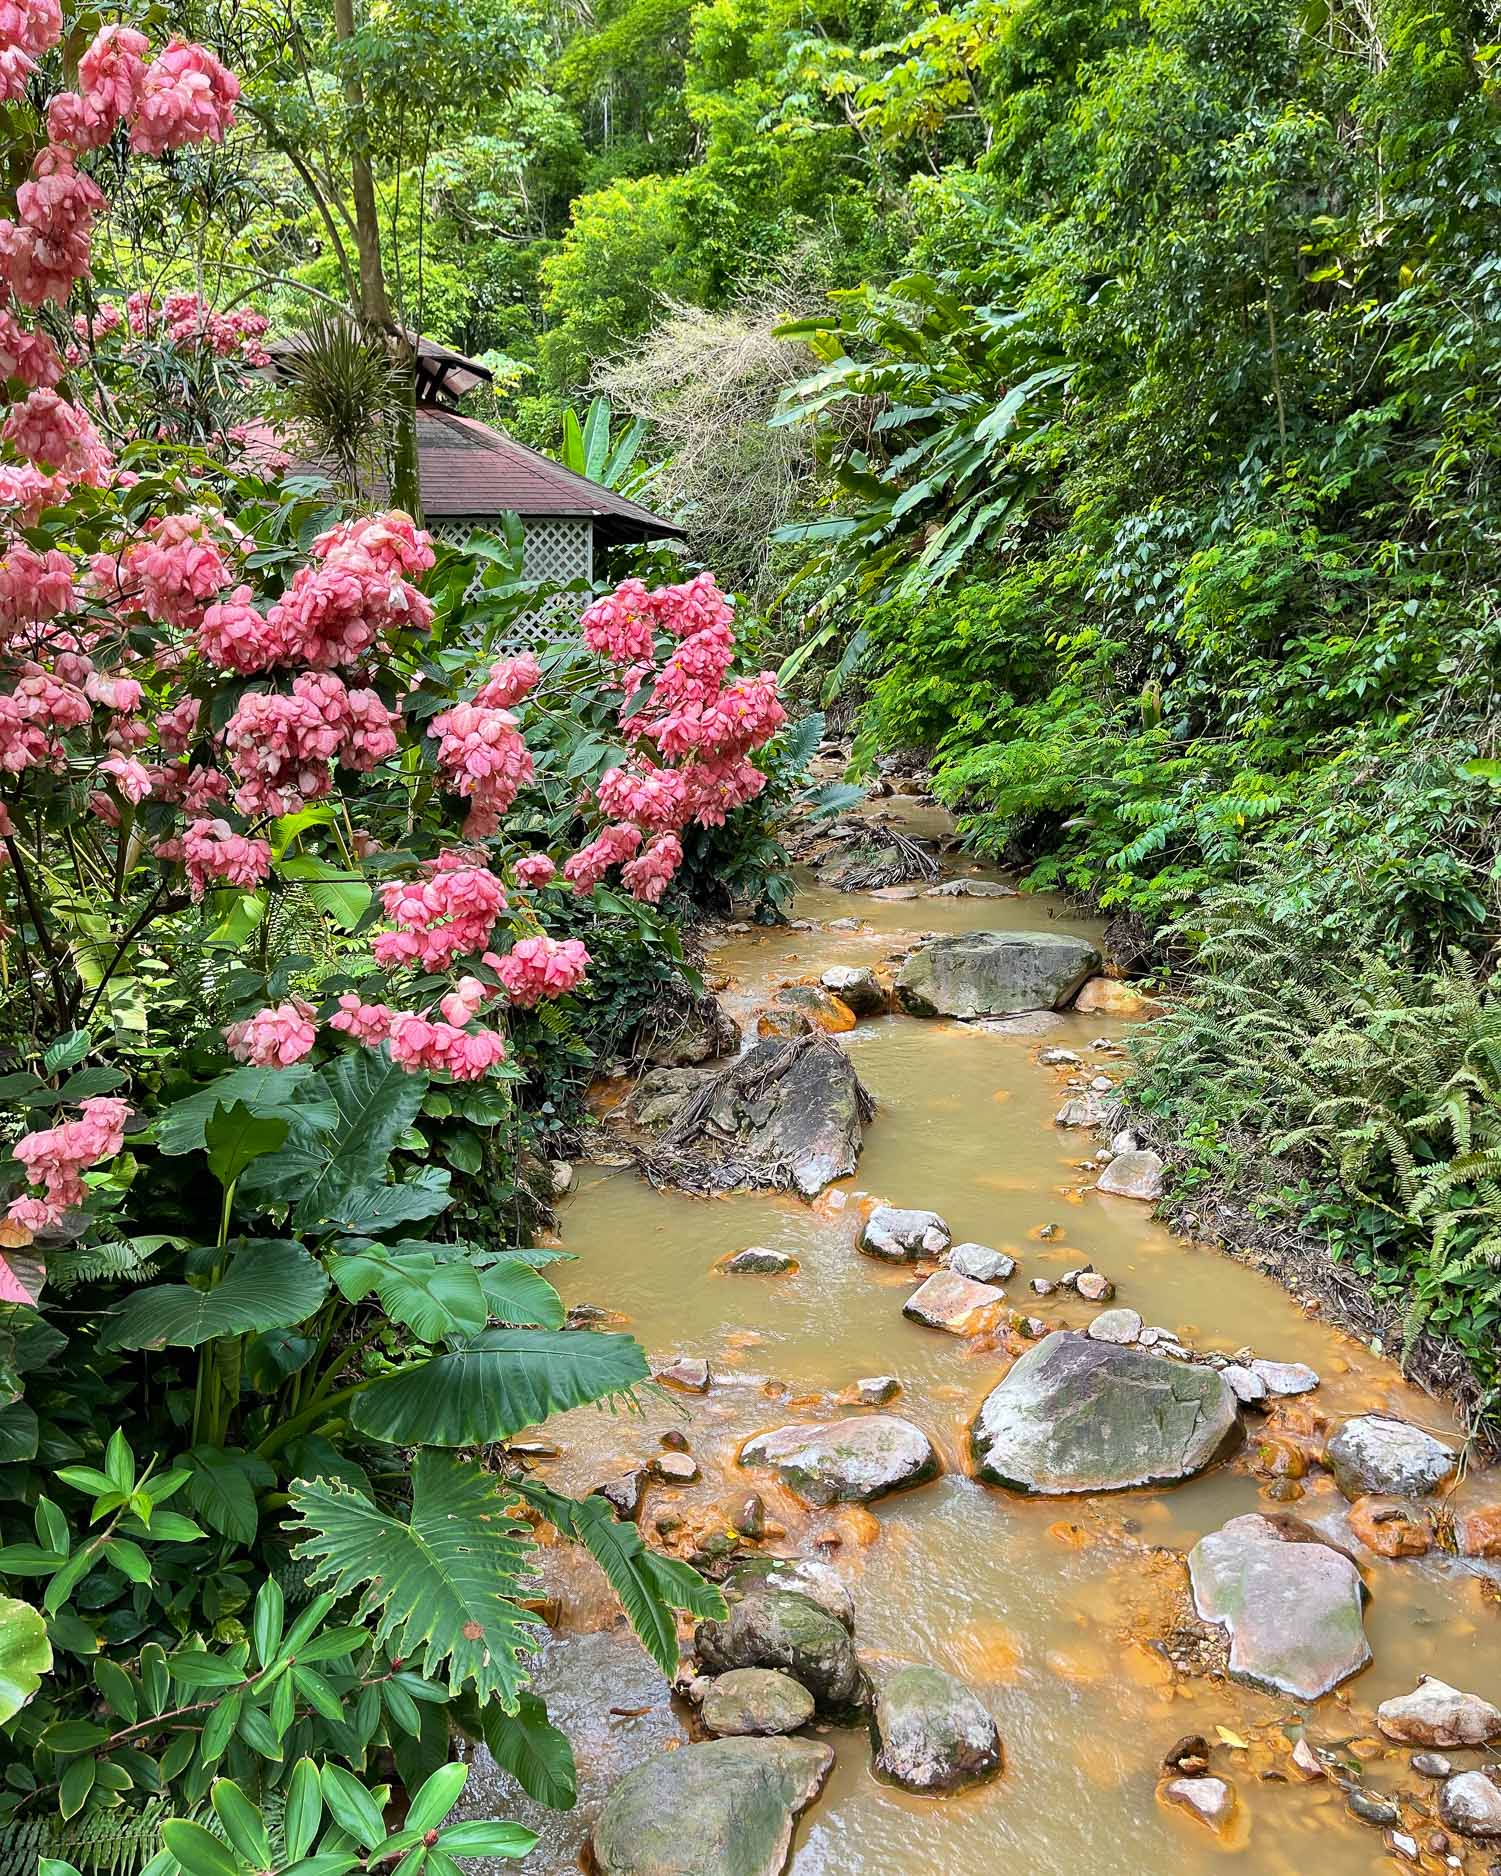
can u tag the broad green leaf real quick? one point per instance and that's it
(433, 1298)
(25, 1655)
(221, 1489)
(242, 1823)
(304, 1808)
(484, 1836)
(235, 1137)
(271, 1283)
(198, 1851)
(267, 1621)
(442, 1587)
(376, 1207)
(68, 1051)
(533, 1751)
(493, 1386)
(116, 1688)
(342, 896)
(351, 1806)
(437, 1797)
(275, 1356)
(650, 1587)
(515, 1294)
(284, 1091)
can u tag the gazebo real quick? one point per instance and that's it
(471, 474)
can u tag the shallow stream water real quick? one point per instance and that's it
(1058, 1611)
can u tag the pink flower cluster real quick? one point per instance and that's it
(540, 967)
(535, 869)
(274, 1037)
(448, 914)
(615, 845)
(417, 1042)
(34, 587)
(29, 356)
(282, 748)
(54, 434)
(509, 681)
(33, 714)
(214, 854)
(483, 759)
(182, 97)
(57, 1158)
(650, 873)
(187, 321)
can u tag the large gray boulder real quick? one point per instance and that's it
(804, 1576)
(845, 1462)
(1375, 1453)
(994, 973)
(780, 1629)
(1076, 1415)
(789, 1113)
(931, 1733)
(726, 1808)
(1292, 1607)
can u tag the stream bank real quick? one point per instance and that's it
(1070, 1619)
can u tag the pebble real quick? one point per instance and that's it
(1125, 1142)
(750, 1519)
(1403, 1845)
(675, 1440)
(688, 1372)
(1210, 1800)
(981, 1263)
(1050, 1231)
(1370, 1807)
(1101, 1084)
(623, 1495)
(1432, 1765)
(1307, 1761)
(1094, 1288)
(675, 1468)
(1115, 1325)
(1043, 1286)
(1059, 1058)
(874, 1390)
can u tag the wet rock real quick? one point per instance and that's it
(759, 1260)
(684, 1033)
(624, 1494)
(1059, 1058)
(1374, 1453)
(957, 1304)
(757, 1701)
(931, 1733)
(1101, 1084)
(689, 1374)
(1307, 1762)
(1133, 1176)
(1392, 1527)
(1436, 1714)
(1431, 1765)
(847, 923)
(1293, 1609)
(1081, 1110)
(899, 894)
(1124, 1142)
(1115, 1325)
(993, 973)
(803, 1576)
(1210, 1800)
(1094, 1287)
(857, 987)
(981, 1263)
(850, 1461)
(1371, 1808)
(781, 1629)
(675, 1440)
(972, 889)
(726, 1808)
(661, 1095)
(1402, 1845)
(1245, 1384)
(1190, 1756)
(1080, 1415)
(875, 1390)
(1033, 1327)
(560, 1173)
(1108, 996)
(1471, 1804)
(1024, 1023)
(1477, 1531)
(902, 1235)
(785, 1114)
(817, 1007)
(750, 1520)
(675, 1468)
(1043, 1286)
(1284, 1379)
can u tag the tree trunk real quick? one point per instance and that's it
(375, 303)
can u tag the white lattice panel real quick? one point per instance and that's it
(552, 549)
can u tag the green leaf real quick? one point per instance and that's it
(129, 1559)
(20, 1433)
(198, 1851)
(433, 1297)
(442, 1587)
(487, 1837)
(74, 1786)
(304, 1808)
(275, 1357)
(515, 1294)
(195, 1667)
(351, 1806)
(342, 896)
(502, 1381)
(650, 1587)
(117, 1688)
(68, 1051)
(437, 1797)
(533, 1751)
(235, 1137)
(25, 1655)
(242, 1823)
(180, 1128)
(377, 1207)
(266, 1622)
(270, 1284)
(222, 1494)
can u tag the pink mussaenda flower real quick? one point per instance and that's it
(647, 877)
(483, 759)
(281, 748)
(534, 869)
(586, 868)
(214, 854)
(112, 73)
(176, 728)
(369, 1023)
(509, 681)
(187, 96)
(695, 606)
(179, 570)
(273, 1038)
(449, 914)
(131, 778)
(620, 625)
(34, 587)
(540, 967)
(29, 356)
(718, 785)
(33, 25)
(392, 542)
(36, 710)
(236, 637)
(443, 1048)
(651, 797)
(468, 996)
(57, 1158)
(56, 435)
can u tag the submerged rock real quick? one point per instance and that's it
(1210, 1800)
(1436, 1714)
(994, 973)
(756, 1701)
(786, 1114)
(857, 987)
(689, 1374)
(1392, 1527)
(851, 1461)
(957, 1304)
(1108, 996)
(903, 1234)
(1375, 1453)
(875, 1390)
(1133, 1176)
(803, 1576)
(972, 889)
(726, 1808)
(931, 1732)
(981, 1263)
(782, 1629)
(1076, 1415)
(799, 1007)
(758, 1260)
(1292, 1608)
(1471, 1804)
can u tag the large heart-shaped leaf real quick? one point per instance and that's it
(270, 1284)
(495, 1385)
(434, 1299)
(442, 1587)
(294, 1093)
(25, 1655)
(515, 1294)
(235, 1138)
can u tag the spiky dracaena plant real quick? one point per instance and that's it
(341, 395)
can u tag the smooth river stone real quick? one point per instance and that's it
(931, 1733)
(1293, 1609)
(802, 1576)
(726, 1808)
(1075, 1415)
(756, 1701)
(1471, 1804)
(845, 1462)
(1436, 1714)
(787, 1631)
(902, 1234)
(1375, 1453)
(994, 973)
(957, 1304)
(981, 1262)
